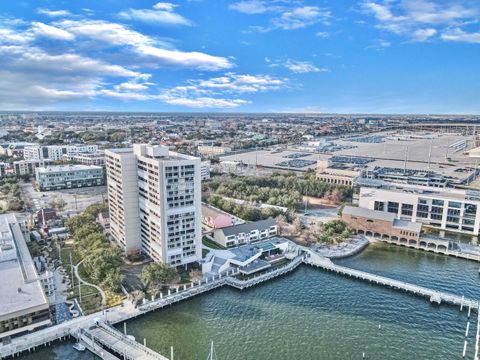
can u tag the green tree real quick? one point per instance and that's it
(155, 275)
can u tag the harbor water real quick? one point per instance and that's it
(312, 314)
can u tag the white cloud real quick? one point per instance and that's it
(131, 86)
(210, 93)
(287, 15)
(459, 35)
(44, 79)
(322, 34)
(420, 19)
(250, 7)
(194, 59)
(41, 29)
(423, 34)
(10, 36)
(301, 17)
(164, 6)
(144, 47)
(302, 67)
(162, 13)
(206, 102)
(53, 13)
(107, 32)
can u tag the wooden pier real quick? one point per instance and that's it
(434, 296)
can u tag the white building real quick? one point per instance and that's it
(212, 150)
(442, 208)
(24, 305)
(163, 216)
(205, 170)
(245, 233)
(68, 177)
(56, 152)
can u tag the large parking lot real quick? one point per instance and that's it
(77, 200)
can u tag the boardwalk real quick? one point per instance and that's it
(106, 337)
(98, 338)
(433, 295)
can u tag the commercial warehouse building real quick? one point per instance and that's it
(24, 305)
(68, 177)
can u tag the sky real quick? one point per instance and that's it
(329, 56)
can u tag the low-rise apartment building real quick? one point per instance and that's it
(28, 167)
(245, 233)
(97, 158)
(334, 174)
(68, 177)
(441, 208)
(213, 150)
(56, 152)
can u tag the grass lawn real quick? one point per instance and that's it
(211, 244)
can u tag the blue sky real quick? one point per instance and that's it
(359, 56)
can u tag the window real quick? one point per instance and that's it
(470, 209)
(407, 209)
(454, 204)
(393, 207)
(379, 206)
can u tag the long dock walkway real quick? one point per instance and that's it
(109, 338)
(434, 296)
(96, 334)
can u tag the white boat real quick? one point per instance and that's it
(79, 347)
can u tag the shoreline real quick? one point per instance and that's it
(354, 246)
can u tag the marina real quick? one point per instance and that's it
(297, 288)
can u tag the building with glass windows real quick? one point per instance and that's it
(68, 177)
(442, 208)
(155, 203)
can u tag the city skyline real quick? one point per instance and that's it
(367, 56)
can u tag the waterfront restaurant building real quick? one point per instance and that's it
(380, 224)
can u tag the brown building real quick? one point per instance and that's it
(381, 224)
(336, 175)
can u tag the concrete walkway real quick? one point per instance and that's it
(77, 275)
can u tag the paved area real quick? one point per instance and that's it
(77, 200)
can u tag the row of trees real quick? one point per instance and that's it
(101, 260)
(332, 232)
(285, 190)
(10, 194)
(244, 211)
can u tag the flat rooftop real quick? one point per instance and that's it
(20, 289)
(447, 193)
(65, 168)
